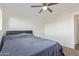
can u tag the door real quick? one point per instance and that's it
(76, 32)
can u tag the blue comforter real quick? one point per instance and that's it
(29, 45)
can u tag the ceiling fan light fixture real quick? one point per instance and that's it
(44, 8)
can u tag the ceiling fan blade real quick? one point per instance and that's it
(49, 10)
(52, 4)
(36, 6)
(40, 10)
(44, 4)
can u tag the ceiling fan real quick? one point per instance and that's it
(45, 6)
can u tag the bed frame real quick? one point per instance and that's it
(18, 32)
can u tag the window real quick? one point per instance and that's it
(0, 20)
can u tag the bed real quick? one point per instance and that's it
(24, 43)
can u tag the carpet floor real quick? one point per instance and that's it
(70, 52)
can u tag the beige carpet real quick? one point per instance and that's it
(70, 52)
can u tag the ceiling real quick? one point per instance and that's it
(24, 8)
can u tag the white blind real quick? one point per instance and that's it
(0, 19)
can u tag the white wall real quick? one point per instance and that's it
(61, 28)
(0, 24)
(17, 21)
(0, 19)
(25, 24)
